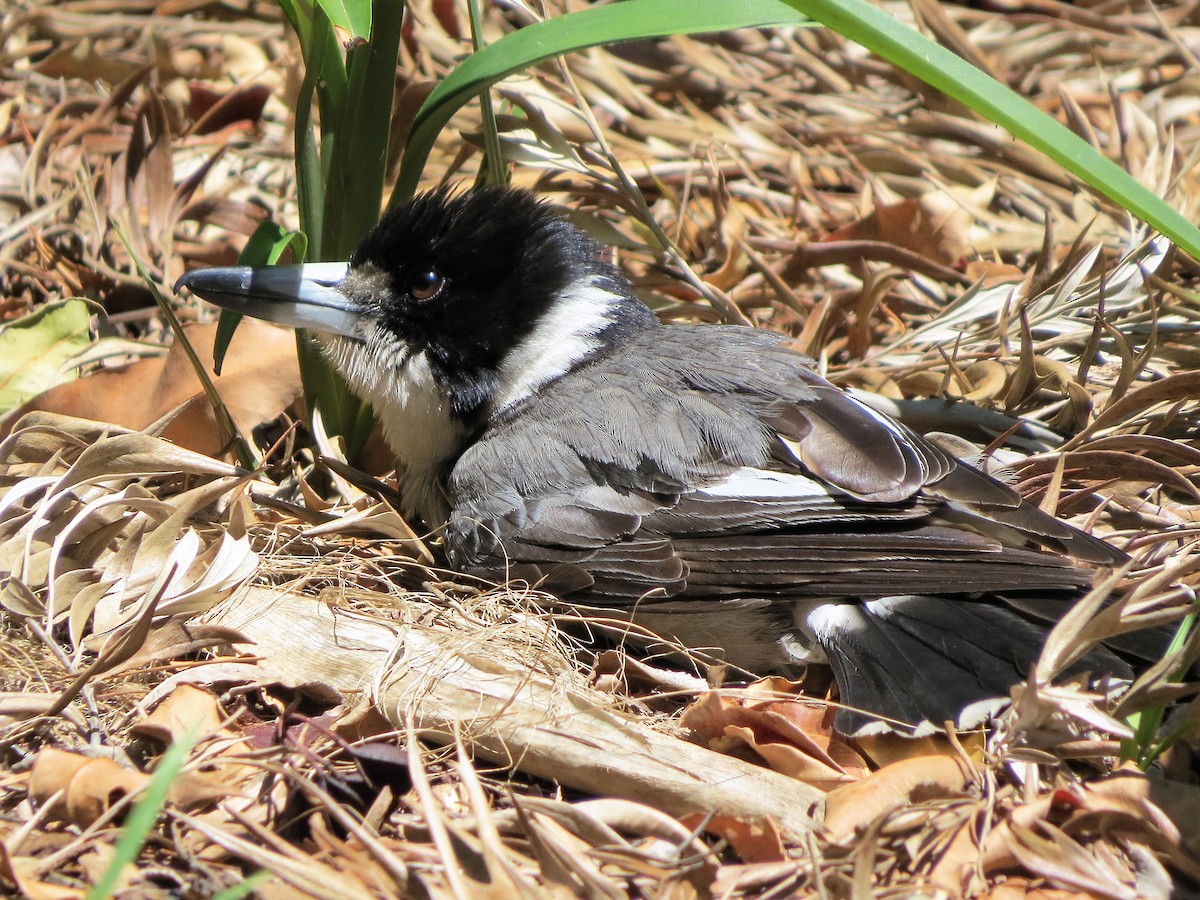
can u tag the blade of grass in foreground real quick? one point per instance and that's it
(575, 31)
(902, 46)
(144, 814)
(264, 248)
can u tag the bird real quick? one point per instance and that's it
(702, 479)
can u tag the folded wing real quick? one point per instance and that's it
(735, 481)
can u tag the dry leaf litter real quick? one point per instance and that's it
(369, 725)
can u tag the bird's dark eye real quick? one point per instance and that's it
(426, 284)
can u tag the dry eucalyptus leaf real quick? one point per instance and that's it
(89, 785)
(259, 380)
(187, 710)
(113, 536)
(853, 806)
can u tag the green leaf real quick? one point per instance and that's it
(628, 21)
(325, 78)
(340, 176)
(353, 16)
(357, 160)
(902, 46)
(264, 248)
(493, 170)
(35, 350)
(244, 888)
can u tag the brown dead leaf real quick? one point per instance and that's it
(80, 59)
(794, 737)
(177, 638)
(150, 169)
(1098, 465)
(187, 709)
(885, 749)
(1179, 386)
(561, 852)
(733, 267)
(990, 273)
(1056, 856)
(24, 872)
(212, 111)
(90, 786)
(87, 786)
(17, 706)
(1150, 799)
(746, 880)
(617, 672)
(361, 722)
(1106, 838)
(756, 841)
(936, 225)
(854, 806)
(955, 865)
(259, 381)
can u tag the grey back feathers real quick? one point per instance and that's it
(701, 444)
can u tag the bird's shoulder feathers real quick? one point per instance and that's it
(715, 461)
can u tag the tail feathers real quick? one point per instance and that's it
(925, 660)
(1145, 645)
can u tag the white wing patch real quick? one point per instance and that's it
(561, 339)
(760, 484)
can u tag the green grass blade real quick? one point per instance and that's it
(244, 888)
(1148, 743)
(340, 177)
(353, 16)
(299, 16)
(143, 816)
(324, 72)
(493, 170)
(354, 189)
(631, 20)
(902, 46)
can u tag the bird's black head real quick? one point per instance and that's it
(495, 288)
(454, 308)
(482, 297)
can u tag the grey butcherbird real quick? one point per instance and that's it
(705, 475)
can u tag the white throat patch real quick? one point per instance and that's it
(562, 338)
(414, 412)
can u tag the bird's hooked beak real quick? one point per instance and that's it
(306, 296)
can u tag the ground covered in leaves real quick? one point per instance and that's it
(362, 723)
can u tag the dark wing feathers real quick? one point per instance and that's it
(731, 472)
(780, 565)
(970, 491)
(829, 435)
(906, 463)
(623, 458)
